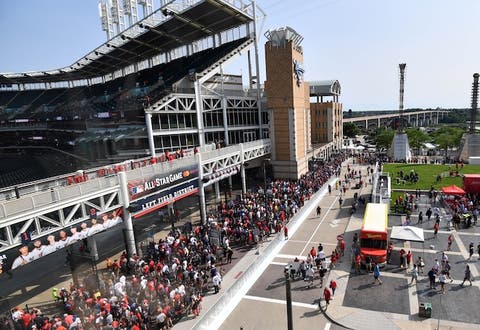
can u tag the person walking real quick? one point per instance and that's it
(319, 210)
(333, 286)
(444, 260)
(420, 265)
(420, 217)
(217, 280)
(376, 274)
(368, 263)
(285, 232)
(436, 226)
(229, 255)
(389, 252)
(470, 251)
(358, 261)
(414, 274)
(468, 276)
(443, 281)
(450, 240)
(402, 258)
(327, 295)
(429, 213)
(431, 277)
(409, 259)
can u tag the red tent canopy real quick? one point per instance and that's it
(453, 190)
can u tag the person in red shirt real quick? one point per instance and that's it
(313, 252)
(285, 232)
(327, 295)
(333, 286)
(333, 260)
(409, 259)
(342, 247)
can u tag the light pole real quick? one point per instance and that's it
(289, 299)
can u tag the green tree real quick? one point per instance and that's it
(416, 138)
(384, 138)
(448, 137)
(350, 130)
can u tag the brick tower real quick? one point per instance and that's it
(288, 99)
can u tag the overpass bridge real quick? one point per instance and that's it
(414, 119)
(47, 206)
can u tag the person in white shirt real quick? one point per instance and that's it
(51, 247)
(95, 228)
(76, 236)
(84, 232)
(106, 221)
(143, 283)
(62, 242)
(37, 251)
(217, 280)
(22, 259)
(116, 218)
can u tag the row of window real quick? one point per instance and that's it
(212, 119)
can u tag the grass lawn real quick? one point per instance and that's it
(427, 174)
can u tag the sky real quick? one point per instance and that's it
(360, 43)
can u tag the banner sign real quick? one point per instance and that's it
(163, 198)
(98, 223)
(142, 187)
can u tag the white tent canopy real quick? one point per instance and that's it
(407, 233)
(429, 145)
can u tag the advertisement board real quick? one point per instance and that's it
(98, 223)
(147, 186)
(163, 198)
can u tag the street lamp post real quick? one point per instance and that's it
(289, 298)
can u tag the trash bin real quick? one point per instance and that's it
(425, 310)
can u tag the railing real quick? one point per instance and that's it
(54, 195)
(51, 191)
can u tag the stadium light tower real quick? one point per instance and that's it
(130, 9)
(147, 6)
(473, 111)
(118, 17)
(402, 67)
(107, 24)
(400, 150)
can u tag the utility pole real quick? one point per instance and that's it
(289, 298)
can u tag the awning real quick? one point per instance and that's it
(407, 233)
(453, 190)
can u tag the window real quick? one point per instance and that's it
(173, 121)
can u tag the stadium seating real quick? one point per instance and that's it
(124, 95)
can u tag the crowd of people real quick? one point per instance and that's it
(168, 278)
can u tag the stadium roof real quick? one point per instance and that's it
(165, 29)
